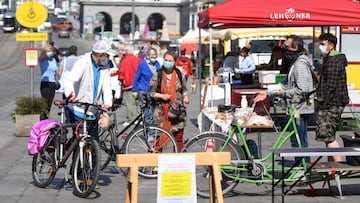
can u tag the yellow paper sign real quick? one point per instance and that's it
(176, 184)
(31, 14)
(31, 56)
(32, 36)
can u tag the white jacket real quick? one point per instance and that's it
(81, 83)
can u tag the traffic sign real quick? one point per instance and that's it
(32, 36)
(31, 14)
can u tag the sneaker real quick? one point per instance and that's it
(125, 124)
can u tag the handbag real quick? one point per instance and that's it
(177, 112)
(57, 85)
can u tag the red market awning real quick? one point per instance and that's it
(189, 47)
(280, 13)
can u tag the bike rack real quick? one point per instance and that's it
(211, 159)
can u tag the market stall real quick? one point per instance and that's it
(277, 13)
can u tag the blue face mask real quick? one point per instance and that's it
(152, 60)
(104, 64)
(168, 64)
(49, 54)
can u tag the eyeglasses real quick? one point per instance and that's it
(100, 55)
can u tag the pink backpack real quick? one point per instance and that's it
(40, 131)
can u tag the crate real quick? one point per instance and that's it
(268, 76)
(351, 142)
(280, 78)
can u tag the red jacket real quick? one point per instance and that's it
(185, 63)
(127, 70)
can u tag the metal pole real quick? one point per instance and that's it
(199, 70)
(132, 20)
(211, 67)
(32, 75)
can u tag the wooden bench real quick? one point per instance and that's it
(211, 159)
(319, 153)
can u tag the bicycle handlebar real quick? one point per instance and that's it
(62, 103)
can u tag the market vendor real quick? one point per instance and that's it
(247, 66)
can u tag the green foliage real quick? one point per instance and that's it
(30, 105)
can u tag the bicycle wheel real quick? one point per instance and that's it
(43, 165)
(213, 141)
(86, 168)
(105, 139)
(158, 140)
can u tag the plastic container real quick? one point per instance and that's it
(268, 76)
(244, 102)
(351, 142)
(280, 78)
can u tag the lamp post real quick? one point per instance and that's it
(132, 20)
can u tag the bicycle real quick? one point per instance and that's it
(142, 139)
(85, 168)
(244, 167)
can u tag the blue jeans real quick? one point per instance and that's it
(302, 130)
(149, 108)
(92, 125)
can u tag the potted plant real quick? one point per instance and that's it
(27, 112)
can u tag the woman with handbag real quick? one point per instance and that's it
(168, 88)
(48, 69)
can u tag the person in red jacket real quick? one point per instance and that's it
(184, 64)
(127, 70)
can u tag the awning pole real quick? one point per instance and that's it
(211, 68)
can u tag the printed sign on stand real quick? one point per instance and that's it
(31, 57)
(176, 180)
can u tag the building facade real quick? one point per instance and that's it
(149, 15)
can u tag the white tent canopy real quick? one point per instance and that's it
(241, 33)
(192, 36)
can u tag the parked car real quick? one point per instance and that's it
(64, 32)
(62, 24)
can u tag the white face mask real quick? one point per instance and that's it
(323, 49)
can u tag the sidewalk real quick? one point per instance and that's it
(16, 179)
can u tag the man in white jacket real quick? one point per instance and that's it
(89, 81)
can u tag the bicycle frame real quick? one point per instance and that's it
(237, 133)
(78, 141)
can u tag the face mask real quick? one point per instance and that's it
(49, 54)
(291, 55)
(168, 65)
(152, 60)
(104, 63)
(121, 53)
(323, 49)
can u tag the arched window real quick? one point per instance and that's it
(126, 23)
(155, 21)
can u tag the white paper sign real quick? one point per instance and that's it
(176, 179)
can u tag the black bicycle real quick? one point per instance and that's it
(142, 138)
(85, 168)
